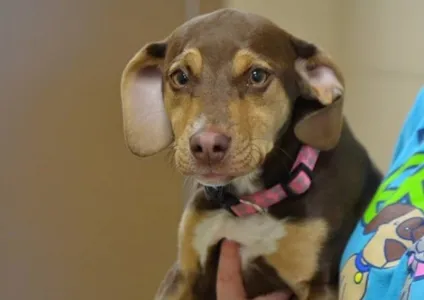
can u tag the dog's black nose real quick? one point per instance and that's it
(209, 147)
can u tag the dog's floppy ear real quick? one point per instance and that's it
(321, 81)
(147, 128)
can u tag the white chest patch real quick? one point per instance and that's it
(257, 234)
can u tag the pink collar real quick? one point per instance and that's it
(299, 182)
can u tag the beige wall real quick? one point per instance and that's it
(379, 44)
(80, 217)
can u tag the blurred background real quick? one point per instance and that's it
(82, 218)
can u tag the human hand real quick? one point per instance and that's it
(229, 280)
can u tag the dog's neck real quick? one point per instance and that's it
(298, 182)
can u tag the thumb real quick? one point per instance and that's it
(229, 279)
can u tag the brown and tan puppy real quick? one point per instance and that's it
(235, 97)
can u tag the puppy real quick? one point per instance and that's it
(254, 115)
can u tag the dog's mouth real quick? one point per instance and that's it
(212, 169)
(218, 177)
(214, 179)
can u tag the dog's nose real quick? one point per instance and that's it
(209, 147)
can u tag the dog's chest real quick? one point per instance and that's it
(257, 234)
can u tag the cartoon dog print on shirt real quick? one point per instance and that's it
(395, 229)
(391, 224)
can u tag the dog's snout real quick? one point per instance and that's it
(209, 147)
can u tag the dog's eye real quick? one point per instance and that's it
(179, 78)
(258, 76)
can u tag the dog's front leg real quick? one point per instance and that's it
(178, 283)
(323, 293)
(173, 286)
(296, 258)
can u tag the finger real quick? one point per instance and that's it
(275, 296)
(229, 280)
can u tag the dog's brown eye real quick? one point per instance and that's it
(258, 76)
(180, 78)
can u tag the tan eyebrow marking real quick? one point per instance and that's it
(190, 58)
(244, 59)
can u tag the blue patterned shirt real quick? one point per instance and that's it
(384, 258)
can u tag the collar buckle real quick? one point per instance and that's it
(258, 208)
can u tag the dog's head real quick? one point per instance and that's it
(221, 88)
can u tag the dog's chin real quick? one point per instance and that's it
(223, 179)
(218, 175)
(214, 180)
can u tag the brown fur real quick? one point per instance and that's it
(267, 123)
